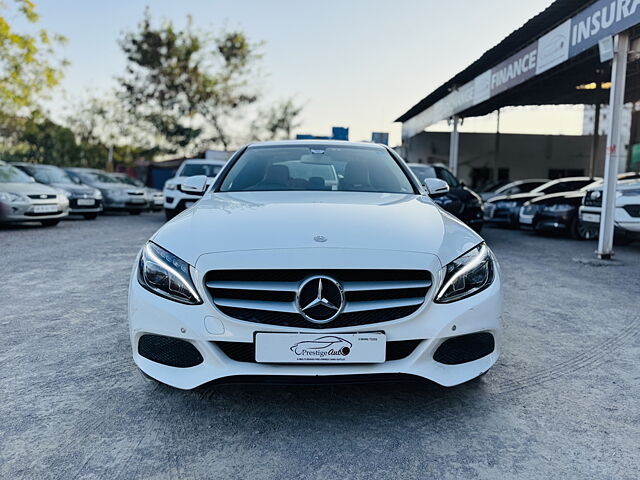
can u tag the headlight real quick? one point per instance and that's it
(629, 193)
(170, 186)
(166, 275)
(63, 192)
(559, 207)
(12, 197)
(467, 275)
(97, 194)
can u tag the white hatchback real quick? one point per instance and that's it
(315, 258)
(175, 199)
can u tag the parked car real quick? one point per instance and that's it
(505, 209)
(557, 212)
(267, 260)
(24, 200)
(627, 213)
(175, 199)
(117, 196)
(155, 198)
(461, 201)
(83, 199)
(511, 188)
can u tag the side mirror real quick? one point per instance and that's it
(196, 185)
(436, 187)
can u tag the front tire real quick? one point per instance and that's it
(49, 223)
(169, 214)
(580, 231)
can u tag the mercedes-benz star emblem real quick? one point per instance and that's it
(320, 299)
(320, 238)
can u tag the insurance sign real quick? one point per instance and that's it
(582, 31)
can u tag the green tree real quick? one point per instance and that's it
(277, 122)
(28, 68)
(185, 86)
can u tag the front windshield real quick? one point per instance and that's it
(9, 174)
(91, 177)
(192, 169)
(128, 180)
(316, 167)
(50, 175)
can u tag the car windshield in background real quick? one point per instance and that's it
(316, 167)
(90, 177)
(428, 171)
(129, 180)
(9, 174)
(191, 169)
(50, 175)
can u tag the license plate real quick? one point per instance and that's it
(320, 348)
(590, 217)
(188, 204)
(86, 202)
(45, 208)
(526, 220)
(137, 200)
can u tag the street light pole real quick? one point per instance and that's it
(614, 150)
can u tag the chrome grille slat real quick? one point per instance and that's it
(269, 296)
(269, 286)
(373, 285)
(288, 307)
(380, 304)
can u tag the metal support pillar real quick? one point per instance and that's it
(594, 140)
(453, 146)
(613, 152)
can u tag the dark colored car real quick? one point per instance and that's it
(511, 188)
(461, 201)
(505, 209)
(83, 199)
(117, 196)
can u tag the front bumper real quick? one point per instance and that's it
(202, 325)
(178, 201)
(75, 208)
(623, 222)
(25, 212)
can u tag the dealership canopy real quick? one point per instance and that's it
(560, 56)
(552, 59)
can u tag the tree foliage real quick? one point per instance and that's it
(277, 122)
(28, 68)
(186, 85)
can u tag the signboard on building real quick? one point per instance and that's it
(602, 19)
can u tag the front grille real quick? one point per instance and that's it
(42, 197)
(246, 352)
(170, 351)
(465, 348)
(135, 192)
(633, 210)
(268, 296)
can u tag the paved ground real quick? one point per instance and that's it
(561, 403)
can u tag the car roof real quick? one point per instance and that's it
(205, 161)
(325, 143)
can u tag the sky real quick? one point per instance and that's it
(352, 63)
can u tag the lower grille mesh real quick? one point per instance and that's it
(246, 352)
(170, 351)
(465, 348)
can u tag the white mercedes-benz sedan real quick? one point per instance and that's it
(315, 259)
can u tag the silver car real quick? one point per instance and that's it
(24, 200)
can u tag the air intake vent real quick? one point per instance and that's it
(269, 296)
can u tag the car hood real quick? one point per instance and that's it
(74, 188)
(517, 197)
(574, 197)
(286, 220)
(27, 188)
(179, 180)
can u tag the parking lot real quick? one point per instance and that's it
(562, 401)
